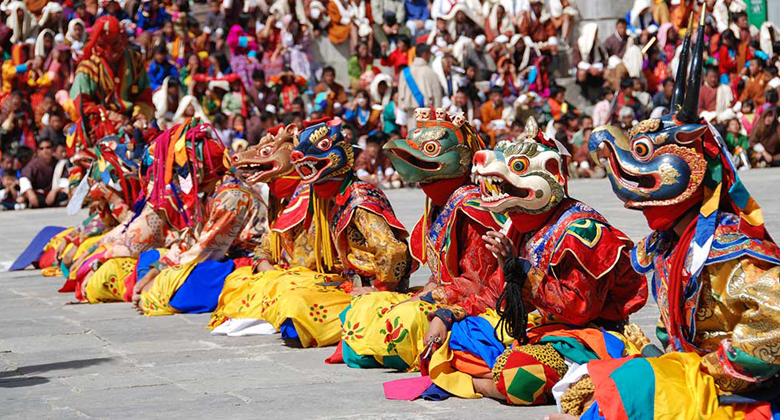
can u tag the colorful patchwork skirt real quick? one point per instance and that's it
(524, 374)
(385, 327)
(672, 386)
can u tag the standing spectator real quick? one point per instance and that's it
(419, 86)
(615, 44)
(35, 183)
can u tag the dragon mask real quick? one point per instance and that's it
(524, 175)
(321, 152)
(662, 161)
(439, 148)
(269, 158)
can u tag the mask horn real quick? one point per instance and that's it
(690, 110)
(682, 70)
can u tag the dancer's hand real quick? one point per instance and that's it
(260, 266)
(437, 332)
(501, 246)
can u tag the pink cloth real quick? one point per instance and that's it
(234, 38)
(407, 389)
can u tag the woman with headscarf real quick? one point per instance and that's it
(166, 101)
(51, 18)
(590, 59)
(498, 23)
(76, 36)
(640, 18)
(667, 41)
(21, 22)
(189, 108)
(765, 139)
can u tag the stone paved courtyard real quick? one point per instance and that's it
(62, 360)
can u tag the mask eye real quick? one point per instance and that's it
(324, 144)
(265, 151)
(431, 147)
(519, 165)
(642, 148)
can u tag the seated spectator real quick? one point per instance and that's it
(337, 96)
(363, 117)
(615, 44)
(418, 16)
(590, 59)
(399, 57)
(737, 143)
(80, 12)
(765, 139)
(373, 166)
(492, 116)
(53, 131)
(539, 27)
(663, 97)
(35, 183)
(160, 68)
(10, 199)
(708, 96)
(756, 82)
(151, 16)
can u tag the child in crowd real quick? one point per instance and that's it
(374, 167)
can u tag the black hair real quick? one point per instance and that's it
(626, 83)
(668, 80)
(161, 49)
(405, 39)
(555, 90)
(749, 102)
(328, 69)
(621, 21)
(258, 74)
(771, 70)
(422, 48)
(510, 305)
(771, 96)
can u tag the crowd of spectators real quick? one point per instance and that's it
(248, 66)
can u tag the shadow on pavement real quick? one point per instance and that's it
(17, 378)
(22, 382)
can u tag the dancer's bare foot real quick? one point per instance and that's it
(67, 259)
(487, 388)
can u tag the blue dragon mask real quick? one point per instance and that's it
(662, 161)
(321, 152)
